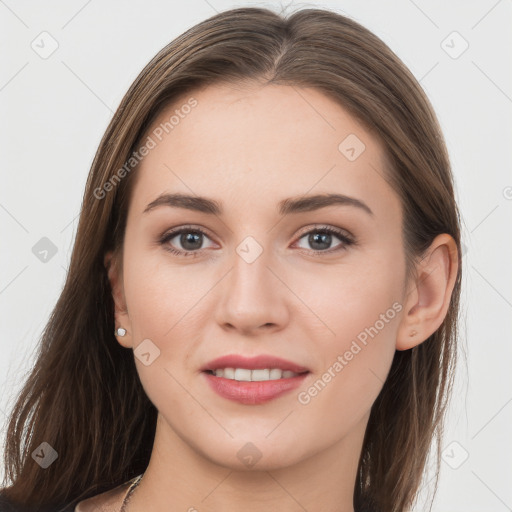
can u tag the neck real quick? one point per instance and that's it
(180, 478)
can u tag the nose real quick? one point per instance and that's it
(253, 297)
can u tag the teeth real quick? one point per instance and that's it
(259, 375)
(243, 374)
(275, 373)
(229, 373)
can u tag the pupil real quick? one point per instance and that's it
(324, 238)
(190, 238)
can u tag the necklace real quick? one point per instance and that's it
(129, 493)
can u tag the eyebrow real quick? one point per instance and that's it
(286, 206)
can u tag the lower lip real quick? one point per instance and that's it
(253, 393)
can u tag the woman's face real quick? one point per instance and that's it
(263, 279)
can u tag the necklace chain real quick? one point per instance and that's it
(134, 484)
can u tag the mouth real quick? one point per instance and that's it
(241, 365)
(255, 375)
(253, 380)
(253, 387)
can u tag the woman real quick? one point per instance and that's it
(268, 372)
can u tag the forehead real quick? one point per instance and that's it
(252, 146)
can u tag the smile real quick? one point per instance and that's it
(259, 375)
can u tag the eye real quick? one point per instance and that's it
(321, 238)
(190, 240)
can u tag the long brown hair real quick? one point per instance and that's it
(83, 396)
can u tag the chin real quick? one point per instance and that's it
(241, 454)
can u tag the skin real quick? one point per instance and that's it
(249, 147)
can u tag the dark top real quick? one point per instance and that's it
(7, 506)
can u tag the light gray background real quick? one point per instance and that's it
(54, 111)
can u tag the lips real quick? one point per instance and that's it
(253, 363)
(285, 376)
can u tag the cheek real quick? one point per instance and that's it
(158, 293)
(356, 362)
(360, 299)
(362, 313)
(161, 311)
(164, 305)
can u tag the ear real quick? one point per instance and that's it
(428, 297)
(122, 318)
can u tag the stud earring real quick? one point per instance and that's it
(120, 331)
(413, 333)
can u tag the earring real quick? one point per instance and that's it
(413, 333)
(120, 331)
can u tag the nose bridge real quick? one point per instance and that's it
(250, 274)
(251, 294)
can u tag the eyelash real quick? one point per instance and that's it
(347, 241)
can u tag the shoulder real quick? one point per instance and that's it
(108, 501)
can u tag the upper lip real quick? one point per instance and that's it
(253, 363)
